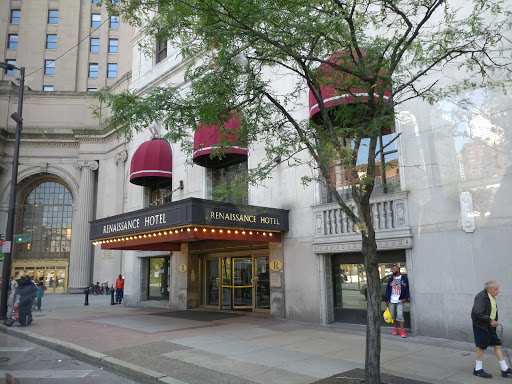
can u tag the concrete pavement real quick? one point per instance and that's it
(161, 346)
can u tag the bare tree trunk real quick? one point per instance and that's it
(369, 250)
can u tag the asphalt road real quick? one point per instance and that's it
(30, 363)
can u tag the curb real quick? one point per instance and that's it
(131, 371)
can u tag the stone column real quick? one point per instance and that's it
(80, 263)
(326, 289)
(277, 282)
(120, 161)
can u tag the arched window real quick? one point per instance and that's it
(46, 223)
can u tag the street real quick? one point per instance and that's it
(31, 363)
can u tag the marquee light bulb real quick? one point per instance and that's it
(264, 234)
(220, 230)
(250, 233)
(270, 234)
(236, 231)
(195, 229)
(229, 230)
(176, 231)
(159, 233)
(188, 229)
(243, 232)
(204, 229)
(213, 230)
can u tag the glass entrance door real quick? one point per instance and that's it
(242, 283)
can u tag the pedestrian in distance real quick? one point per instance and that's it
(39, 294)
(397, 293)
(485, 320)
(26, 290)
(119, 289)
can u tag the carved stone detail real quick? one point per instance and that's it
(93, 165)
(121, 157)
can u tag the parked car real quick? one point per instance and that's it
(383, 283)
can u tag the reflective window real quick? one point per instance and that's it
(49, 67)
(46, 225)
(95, 45)
(48, 88)
(95, 20)
(92, 89)
(114, 21)
(386, 165)
(12, 41)
(51, 41)
(93, 70)
(15, 16)
(113, 45)
(53, 17)
(112, 70)
(229, 184)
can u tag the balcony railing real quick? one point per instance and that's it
(390, 221)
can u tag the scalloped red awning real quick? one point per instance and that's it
(152, 164)
(335, 93)
(206, 141)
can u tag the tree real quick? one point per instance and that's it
(363, 49)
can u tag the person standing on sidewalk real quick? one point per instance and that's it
(397, 293)
(26, 290)
(39, 294)
(485, 320)
(119, 289)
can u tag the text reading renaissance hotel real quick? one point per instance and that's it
(282, 249)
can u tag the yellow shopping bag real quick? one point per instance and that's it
(387, 316)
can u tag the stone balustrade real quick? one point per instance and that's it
(334, 231)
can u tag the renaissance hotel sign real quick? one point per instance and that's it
(191, 212)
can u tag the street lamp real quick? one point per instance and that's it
(9, 231)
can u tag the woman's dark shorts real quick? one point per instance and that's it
(484, 338)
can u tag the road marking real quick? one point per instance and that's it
(15, 349)
(46, 374)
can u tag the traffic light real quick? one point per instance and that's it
(22, 238)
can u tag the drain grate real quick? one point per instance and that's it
(3, 359)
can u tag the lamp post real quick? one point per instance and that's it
(9, 231)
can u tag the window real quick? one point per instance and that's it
(95, 20)
(113, 45)
(112, 70)
(15, 16)
(12, 42)
(341, 175)
(95, 45)
(51, 41)
(229, 184)
(46, 222)
(93, 69)
(115, 2)
(95, 1)
(53, 17)
(92, 89)
(49, 67)
(48, 88)
(161, 50)
(11, 71)
(114, 21)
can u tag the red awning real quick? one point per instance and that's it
(207, 140)
(340, 89)
(152, 164)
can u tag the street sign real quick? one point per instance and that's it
(6, 247)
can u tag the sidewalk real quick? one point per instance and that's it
(160, 346)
